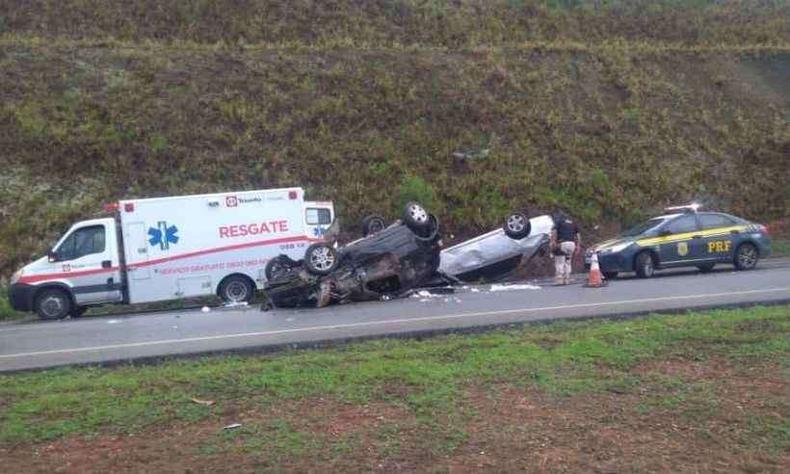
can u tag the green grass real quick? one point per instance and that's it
(780, 247)
(6, 311)
(424, 377)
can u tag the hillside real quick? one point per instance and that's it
(607, 109)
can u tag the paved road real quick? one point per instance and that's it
(112, 339)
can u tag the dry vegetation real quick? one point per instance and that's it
(606, 108)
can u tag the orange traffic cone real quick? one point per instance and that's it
(595, 279)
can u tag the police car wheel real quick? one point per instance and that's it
(746, 257)
(706, 268)
(645, 267)
(236, 289)
(52, 304)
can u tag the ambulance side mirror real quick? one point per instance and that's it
(52, 256)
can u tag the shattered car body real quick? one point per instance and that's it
(497, 253)
(388, 262)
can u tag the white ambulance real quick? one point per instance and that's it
(170, 248)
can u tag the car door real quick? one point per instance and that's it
(87, 264)
(681, 241)
(719, 234)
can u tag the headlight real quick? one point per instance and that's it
(17, 275)
(617, 248)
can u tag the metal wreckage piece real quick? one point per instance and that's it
(392, 261)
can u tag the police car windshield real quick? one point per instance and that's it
(643, 227)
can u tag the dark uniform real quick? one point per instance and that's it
(565, 241)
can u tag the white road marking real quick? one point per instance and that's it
(388, 322)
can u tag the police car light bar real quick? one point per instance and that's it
(693, 207)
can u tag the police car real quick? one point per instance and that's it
(683, 237)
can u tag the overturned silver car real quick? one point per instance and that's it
(496, 254)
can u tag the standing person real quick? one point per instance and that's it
(565, 242)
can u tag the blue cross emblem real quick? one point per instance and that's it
(319, 231)
(163, 235)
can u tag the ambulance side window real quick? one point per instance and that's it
(81, 242)
(318, 216)
(712, 221)
(684, 224)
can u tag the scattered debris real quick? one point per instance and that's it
(207, 403)
(114, 321)
(234, 304)
(232, 426)
(205, 309)
(514, 287)
(475, 290)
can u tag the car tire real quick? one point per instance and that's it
(52, 304)
(430, 233)
(416, 217)
(372, 224)
(320, 259)
(236, 289)
(645, 265)
(746, 257)
(706, 267)
(610, 275)
(277, 267)
(517, 226)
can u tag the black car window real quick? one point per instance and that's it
(643, 227)
(81, 242)
(712, 221)
(683, 224)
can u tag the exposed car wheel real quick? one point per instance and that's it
(372, 224)
(236, 289)
(517, 226)
(277, 267)
(320, 259)
(644, 265)
(610, 275)
(706, 267)
(52, 304)
(416, 217)
(746, 257)
(429, 233)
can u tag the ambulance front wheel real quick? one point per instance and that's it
(52, 303)
(236, 289)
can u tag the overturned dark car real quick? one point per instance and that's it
(388, 262)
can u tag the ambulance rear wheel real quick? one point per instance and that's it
(236, 289)
(52, 303)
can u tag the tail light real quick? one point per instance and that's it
(292, 195)
(764, 229)
(111, 207)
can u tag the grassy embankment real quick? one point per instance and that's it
(608, 112)
(647, 393)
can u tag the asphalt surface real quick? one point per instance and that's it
(157, 335)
